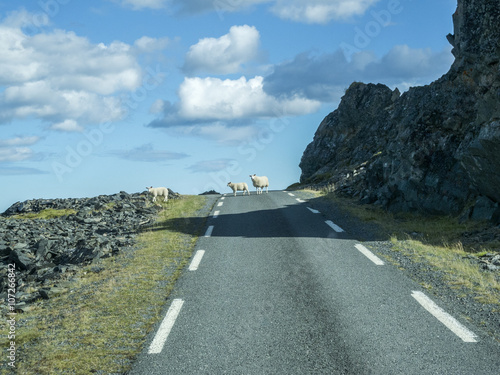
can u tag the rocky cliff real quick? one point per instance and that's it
(433, 149)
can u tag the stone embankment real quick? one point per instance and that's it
(45, 250)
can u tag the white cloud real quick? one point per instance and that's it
(15, 154)
(147, 44)
(19, 141)
(305, 11)
(226, 54)
(212, 99)
(67, 126)
(15, 149)
(320, 11)
(63, 78)
(226, 111)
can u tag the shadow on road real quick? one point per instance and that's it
(293, 220)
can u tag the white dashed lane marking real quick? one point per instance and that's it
(220, 204)
(195, 263)
(209, 231)
(313, 211)
(335, 227)
(375, 259)
(216, 213)
(456, 327)
(166, 326)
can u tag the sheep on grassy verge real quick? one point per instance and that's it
(159, 191)
(260, 182)
(238, 187)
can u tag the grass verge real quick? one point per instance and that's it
(49, 213)
(444, 243)
(100, 326)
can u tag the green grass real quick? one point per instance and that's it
(48, 213)
(459, 272)
(101, 324)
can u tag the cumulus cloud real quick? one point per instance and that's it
(223, 55)
(67, 126)
(305, 11)
(320, 11)
(16, 149)
(147, 44)
(63, 78)
(325, 77)
(19, 141)
(208, 100)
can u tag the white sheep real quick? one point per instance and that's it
(239, 186)
(260, 182)
(161, 191)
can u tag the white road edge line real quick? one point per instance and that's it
(165, 327)
(209, 231)
(195, 263)
(216, 213)
(335, 227)
(313, 211)
(290, 194)
(445, 318)
(375, 259)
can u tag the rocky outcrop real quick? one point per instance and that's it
(44, 250)
(434, 149)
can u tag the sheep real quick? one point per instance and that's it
(158, 191)
(239, 186)
(260, 182)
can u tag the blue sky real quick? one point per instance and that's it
(102, 96)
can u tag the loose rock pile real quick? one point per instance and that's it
(45, 249)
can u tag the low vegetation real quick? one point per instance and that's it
(444, 243)
(48, 213)
(101, 325)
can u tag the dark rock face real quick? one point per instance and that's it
(44, 249)
(435, 149)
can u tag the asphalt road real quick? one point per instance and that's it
(276, 287)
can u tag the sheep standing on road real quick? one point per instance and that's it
(161, 191)
(239, 186)
(260, 182)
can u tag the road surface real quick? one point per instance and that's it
(276, 287)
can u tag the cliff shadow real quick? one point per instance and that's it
(295, 220)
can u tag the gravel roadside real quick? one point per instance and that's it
(457, 300)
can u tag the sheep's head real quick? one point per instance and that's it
(229, 184)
